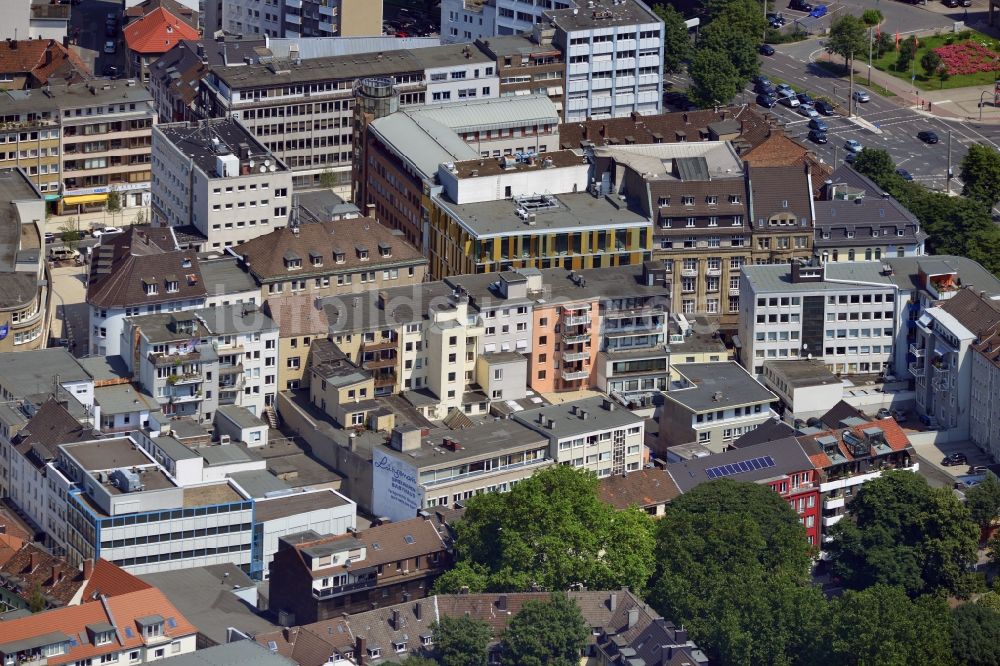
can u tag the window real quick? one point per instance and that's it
(293, 363)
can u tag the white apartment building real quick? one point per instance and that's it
(215, 176)
(458, 73)
(468, 20)
(844, 314)
(595, 434)
(193, 361)
(984, 397)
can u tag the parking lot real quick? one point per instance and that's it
(70, 318)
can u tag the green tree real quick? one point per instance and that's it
(545, 633)
(70, 235)
(848, 37)
(876, 164)
(884, 43)
(552, 530)
(871, 17)
(676, 40)
(139, 219)
(943, 74)
(733, 566)
(976, 635)
(931, 62)
(981, 174)
(900, 531)
(461, 641)
(983, 501)
(416, 660)
(114, 202)
(464, 576)
(991, 599)
(729, 38)
(881, 626)
(36, 602)
(907, 52)
(714, 79)
(327, 179)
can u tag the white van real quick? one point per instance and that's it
(61, 253)
(787, 97)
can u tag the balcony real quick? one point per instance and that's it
(916, 351)
(713, 271)
(231, 369)
(388, 379)
(576, 320)
(185, 398)
(330, 592)
(187, 378)
(834, 503)
(917, 369)
(648, 327)
(574, 375)
(380, 344)
(829, 521)
(575, 356)
(378, 363)
(634, 312)
(576, 339)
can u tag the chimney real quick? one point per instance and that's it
(361, 650)
(681, 635)
(613, 601)
(502, 602)
(633, 617)
(36, 559)
(666, 654)
(88, 569)
(418, 610)
(395, 619)
(57, 573)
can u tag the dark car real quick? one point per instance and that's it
(817, 124)
(817, 136)
(850, 157)
(766, 90)
(824, 107)
(111, 71)
(800, 5)
(954, 459)
(927, 136)
(761, 80)
(766, 49)
(951, 4)
(904, 174)
(766, 101)
(804, 98)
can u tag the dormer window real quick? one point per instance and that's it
(826, 235)
(734, 198)
(374, 652)
(149, 286)
(172, 284)
(688, 201)
(362, 252)
(339, 256)
(900, 233)
(384, 250)
(874, 233)
(399, 646)
(784, 203)
(850, 234)
(664, 201)
(711, 200)
(292, 261)
(151, 626)
(315, 258)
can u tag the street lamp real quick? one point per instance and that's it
(981, 103)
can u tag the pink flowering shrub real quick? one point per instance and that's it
(967, 58)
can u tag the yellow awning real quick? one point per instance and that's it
(84, 199)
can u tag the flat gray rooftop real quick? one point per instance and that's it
(105, 368)
(224, 276)
(476, 442)
(295, 503)
(604, 14)
(107, 454)
(970, 273)
(578, 211)
(195, 139)
(777, 278)
(123, 399)
(34, 372)
(237, 653)
(569, 422)
(241, 416)
(803, 372)
(98, 92)
(222, 320)
(259, 482)
(717, 386)
(226, 454)
(347, 67)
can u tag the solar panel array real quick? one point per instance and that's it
(751, 465)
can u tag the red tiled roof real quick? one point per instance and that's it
(111, 580)
(8, 546)
(157, 32)
(41, 59)
(124, 611)
(30, 568)
(895, 437)
(778, 149)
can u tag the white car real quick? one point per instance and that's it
(861, 96)
(106, 231)
(788, 99)
(853, 145)
(808, 111)
(109, 46)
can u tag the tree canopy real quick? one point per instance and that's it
(714, 78)
(461, 641)
(676, 41)
(900, 531)
(545, 633)
(551, 530)
(848, 37)
(980, 173)
(876, 164)
(733, 566)
(983, 501)
(976, 635)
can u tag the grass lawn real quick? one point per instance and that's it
(887, 63)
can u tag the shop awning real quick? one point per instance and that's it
(84, 199)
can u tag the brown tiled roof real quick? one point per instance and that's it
(111, 580)
(123, 611)
(973, 310)
(11, 524)
(296, 315)
(387, 543)
(41, 59)
(644, 488)
(778, 149)
(700, 190)
(9, 545)
(664, 127)
(30, 568)
(772, 187)
(117, 270)
(51, 426)
(266, 254)
(895, 437)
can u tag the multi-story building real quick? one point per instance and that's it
(316, 577)
(416, 471)
(534, 211)
(137, 627)
(193, 361)
(984, 396)
(331, 18)
(528, 64)
(695, 194)
(125, 281)
(713, 404)
(36, 19)
(781, 214)
(151, 36)
(249, 19)
(404, 151)
(596, 434)
(781, 465)
(845, 314)
(846, 458)
(30, 141)
(614, 58)
(24, 291)
(856, 221)
(215, 176)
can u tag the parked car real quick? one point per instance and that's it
(110, 30)
(957, 458)
(951, 4)
(766, 49)
(817, 136)
(861, 96)
(784, 88)
(110, 71)
(49, 237)
(904, 174)
(788, 100)
(761, 79)
(766, 90)
(106, 231)
(807, 111)
(817, 124)
(927, 136)
(978, 469)
(109, 46)
(61, 253)
(804, 98)
(766, 101)
(883, 414)
(965, 3)
(818, 11)
(800, 5)
(853, 145)
(824, 107)
(849, 158)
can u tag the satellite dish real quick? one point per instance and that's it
(263, 169)
(267, 162)
(273, 168)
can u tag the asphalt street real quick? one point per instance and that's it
(899, 126)
(88, 27)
